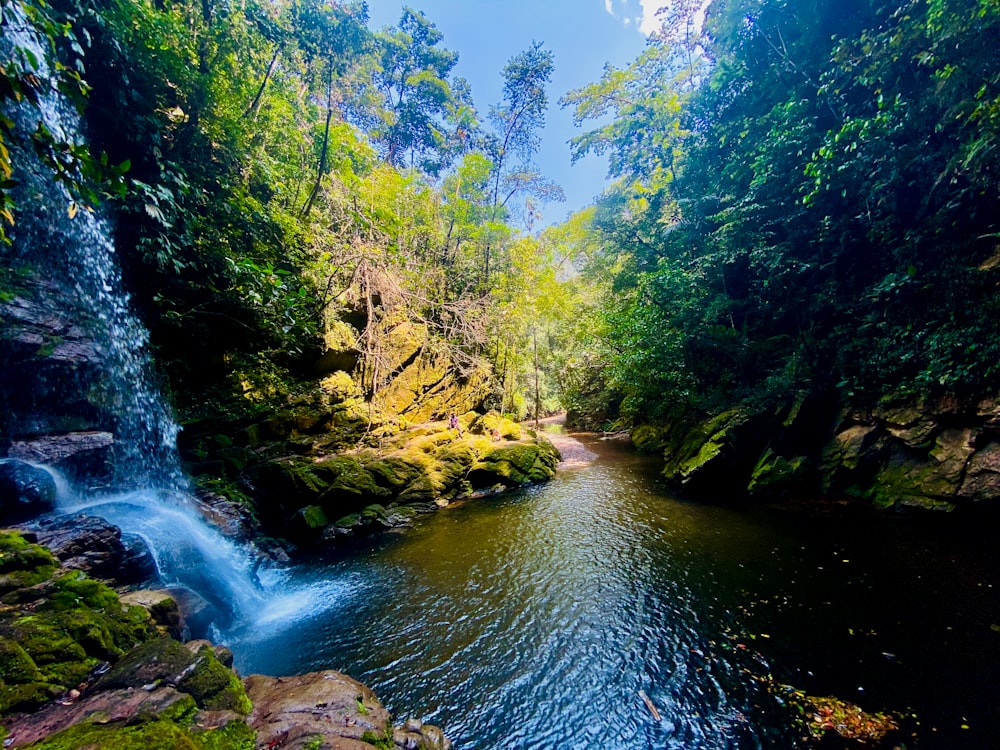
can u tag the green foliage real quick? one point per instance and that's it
(808, 208)
(32, 75)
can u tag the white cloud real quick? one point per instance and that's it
(638, 13)
(648, 23)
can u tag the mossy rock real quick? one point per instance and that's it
(493, 420)
(851, 458)
(28, 696)
(22, 563)
(516, 464)
(59, 658)
(16, 665)
(392, 472)
(157, 734)
(777, 475)
(313, 517)
(420, 490)
(214, 686)
(649, 438)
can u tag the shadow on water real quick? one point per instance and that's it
(535, 619)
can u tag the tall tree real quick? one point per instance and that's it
(412, 74)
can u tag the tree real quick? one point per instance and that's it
(517, 119)
(412, 74)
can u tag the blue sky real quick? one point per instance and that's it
(582, 34)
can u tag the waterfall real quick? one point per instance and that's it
(150, 496)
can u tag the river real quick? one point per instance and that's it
(534, 619)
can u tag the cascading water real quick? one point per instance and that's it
(150, 497)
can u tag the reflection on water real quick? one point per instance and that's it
(534, 620)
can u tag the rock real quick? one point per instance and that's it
(716, 456)
(850, 459)
(124, 706)
(80, 454)
(162, 609)
(196, 611)
(329, 710)
(26, 491)
(922, 480)
(982, 475)
(777, 475)
(192, 668)
(97, 548)
(649, 438)
(910, 426)
(231, 518)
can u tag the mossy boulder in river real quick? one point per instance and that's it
(313, 497)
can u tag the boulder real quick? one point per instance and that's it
(232, 519)
(982, 475)
(80, 454)
(850, 459)
(193, 668)
(96, 547)
(123, 706)
(163, 610)
(329, 710)
(26, 491)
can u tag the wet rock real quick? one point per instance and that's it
(196, 611)
(330, 710)
(80, 454)
(97, 548)
(163, 610)
(193, 668)
(231, 518)
(125, 706)
(982, 475)
(26, 491)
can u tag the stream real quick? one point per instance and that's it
(538, 619)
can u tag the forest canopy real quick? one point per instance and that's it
(805, 204)
(803, 198)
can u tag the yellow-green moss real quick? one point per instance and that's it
(153, 735)
(214, 686)
(22, 563)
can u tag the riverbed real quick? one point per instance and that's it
(539, 618)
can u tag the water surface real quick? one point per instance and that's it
(534, 619)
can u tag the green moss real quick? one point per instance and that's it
(214, 686)
(649, 438)
(16, 665)
(381, 741)
(57, 655)
(27, 696)
(236, 735)
(22, 563)
(776, 474)
(314, 517)
(153, 735)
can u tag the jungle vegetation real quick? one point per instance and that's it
(803, 200)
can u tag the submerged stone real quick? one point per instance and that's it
(26, 491)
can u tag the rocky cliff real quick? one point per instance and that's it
(939, 456)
